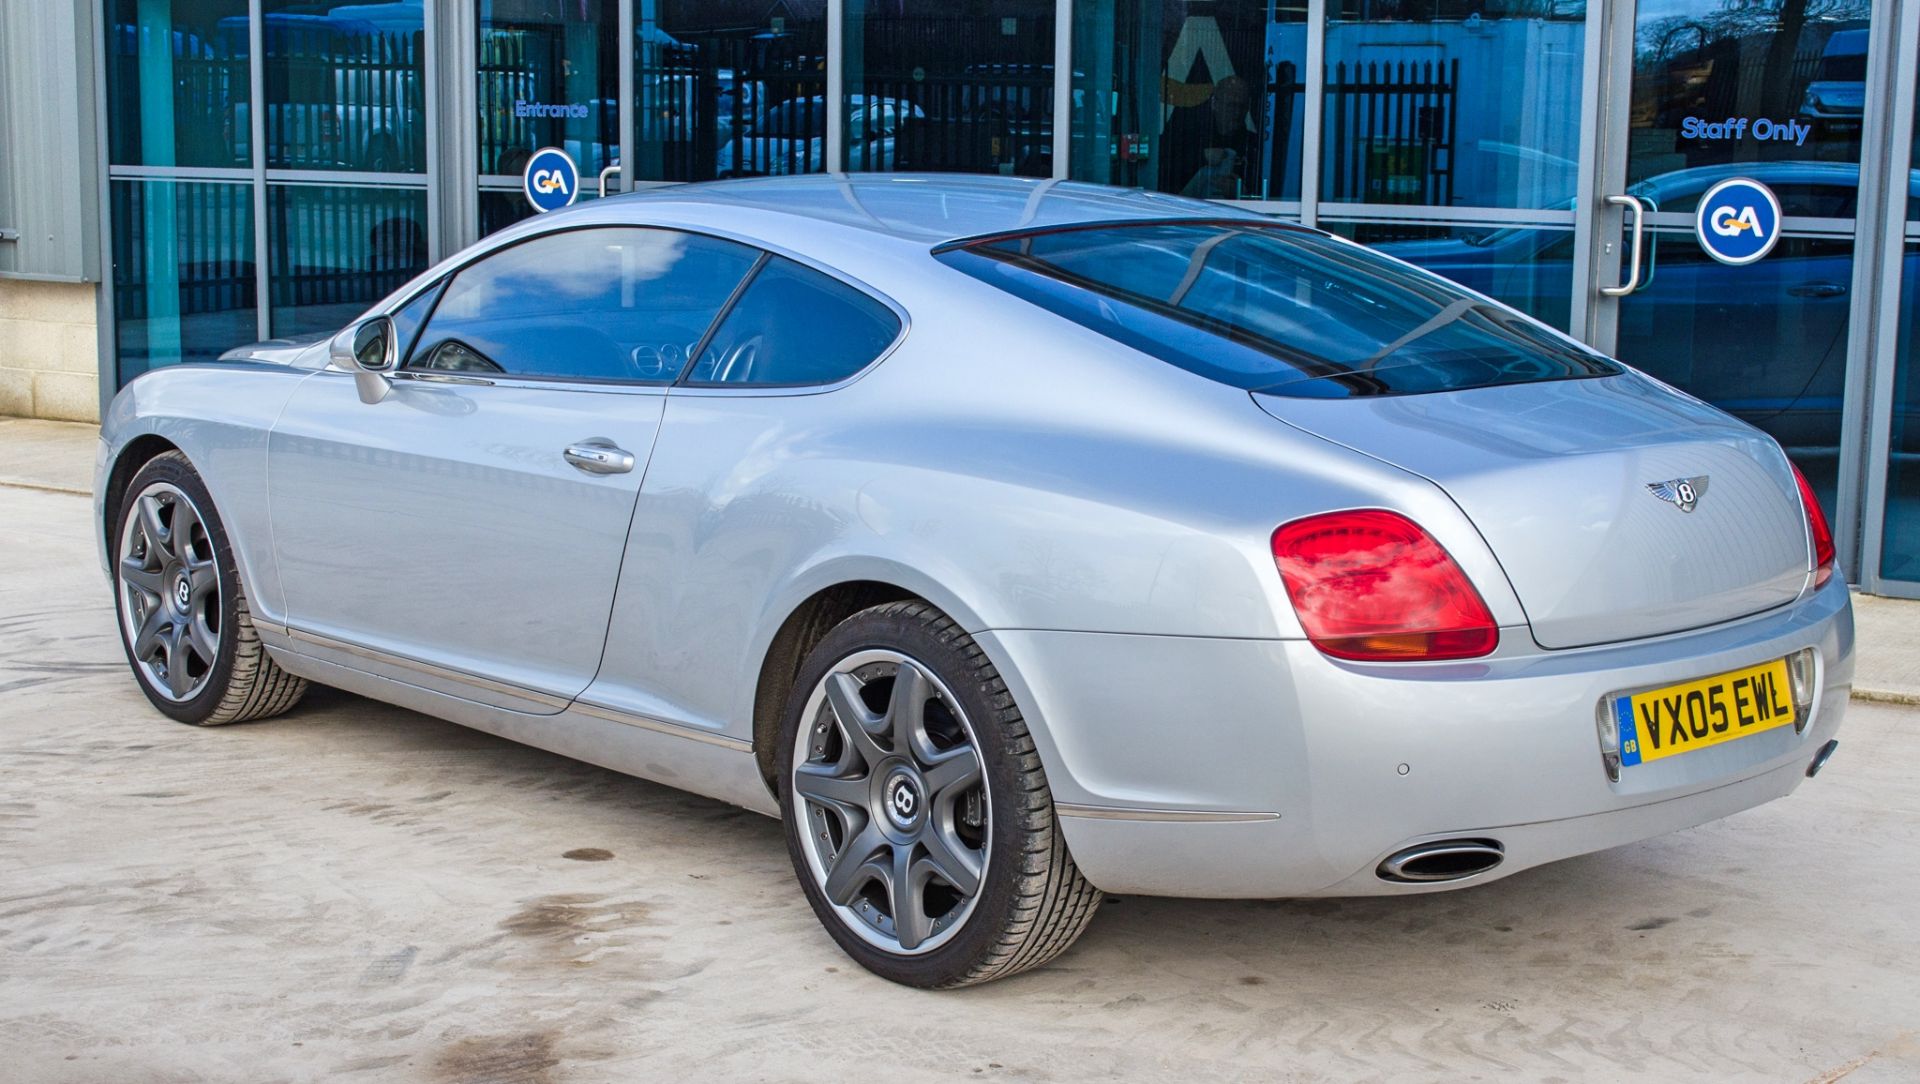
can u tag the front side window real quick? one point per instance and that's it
(624, 304)
(1275, 309)
(794, 326)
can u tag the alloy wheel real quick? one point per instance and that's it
(169, 592)
(890, 783)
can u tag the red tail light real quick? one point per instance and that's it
(1817, 528)
(1371, 585)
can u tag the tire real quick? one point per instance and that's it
(169, 552)
(994, 829)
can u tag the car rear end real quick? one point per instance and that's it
(1580, 608)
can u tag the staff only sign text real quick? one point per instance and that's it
(1764, 130)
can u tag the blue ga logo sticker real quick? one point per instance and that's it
(1738, 221)
(551, 180)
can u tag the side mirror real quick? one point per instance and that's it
(368, 351)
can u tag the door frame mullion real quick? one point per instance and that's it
(1313, 117)
(1607, 90)
(626, 27)
(834, 153)
(1873, 353)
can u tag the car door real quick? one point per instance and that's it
(722, 519)
(465, 533)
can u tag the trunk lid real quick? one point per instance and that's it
(1557, 475)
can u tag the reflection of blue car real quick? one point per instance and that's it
(1838, 94)
(1766, 342)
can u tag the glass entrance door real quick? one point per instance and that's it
(1702, 92)
(548, 76)
(1893, 506)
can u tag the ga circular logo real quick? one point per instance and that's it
(1738, 221)
(551, 180)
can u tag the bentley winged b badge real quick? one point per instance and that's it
(1682, 493)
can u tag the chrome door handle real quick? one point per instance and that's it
(1639, 212)
(598, 455)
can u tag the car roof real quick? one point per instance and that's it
(926, 208)
(1845, 43)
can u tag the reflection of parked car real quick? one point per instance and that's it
(1766, 342)
(792, 137)
(341, 93)
(690, 114)
(1835, 98)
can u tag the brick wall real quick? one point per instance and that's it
(49, 350)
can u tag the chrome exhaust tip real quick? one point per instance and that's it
(1820, 759)
(1442, 860)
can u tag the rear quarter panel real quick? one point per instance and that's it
(1015, 470)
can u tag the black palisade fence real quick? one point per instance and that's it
(1390, 132)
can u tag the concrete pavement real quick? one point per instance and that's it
(1887, 664)
(47, 455)
(360, 893)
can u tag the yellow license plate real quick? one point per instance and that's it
(1681, 718)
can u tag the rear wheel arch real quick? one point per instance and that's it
(805, 626)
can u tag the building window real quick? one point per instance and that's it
(1446, 103)
(333, 250)
(177, 83)
(345, 87)
(549, 77)
(728, 89)
(1200, 98)
(183, 281)
(931, 85)
(1706, 77)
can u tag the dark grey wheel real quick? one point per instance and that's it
(918, 816)
(169, 592)
(894, 795)
(184, 620)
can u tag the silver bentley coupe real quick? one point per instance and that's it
(1014, 542)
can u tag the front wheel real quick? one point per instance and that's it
(918, 816)
(184, 619)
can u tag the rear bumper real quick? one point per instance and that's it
(1259, 768)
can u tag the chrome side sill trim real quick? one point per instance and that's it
(614, 715)
(458, 677)
(1139, 813)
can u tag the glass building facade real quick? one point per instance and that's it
(277, 165)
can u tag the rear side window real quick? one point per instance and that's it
(1275, 309)
(624, 304)
(794, 326)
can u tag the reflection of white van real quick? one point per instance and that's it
(341, 93)
(1835, 98)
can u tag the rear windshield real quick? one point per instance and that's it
(1274, 308)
